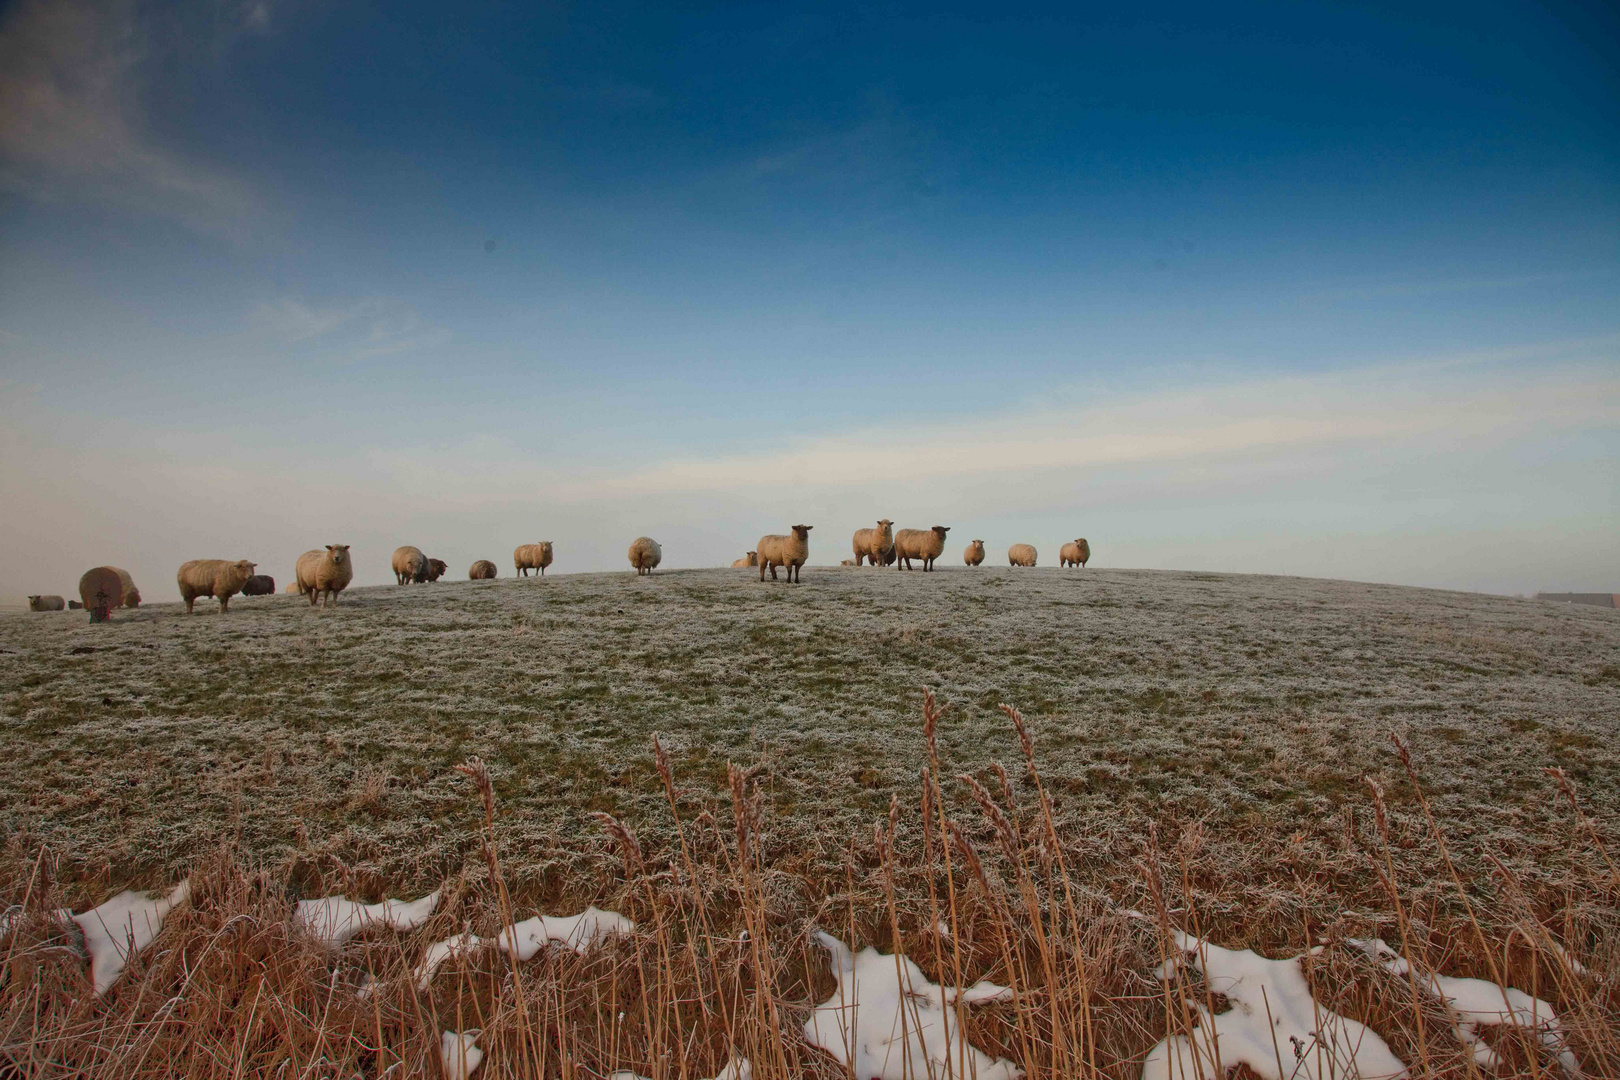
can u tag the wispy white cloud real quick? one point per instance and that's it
(364, 328)
(73, 128)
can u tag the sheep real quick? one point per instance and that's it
(1075, 553)
(323, 574)
(436, 569)
(924, 544)
(101, 590)
(532, 557)
(482, 570)
(973, 555)
(45, 603)
(259, 585)
(74, 605)
(293, 589)
(790, 551)
(645, 555)
(849, 562)
(409, 565)
(1021, 555)
(129, 595)
(749, 560)
(220, 578)
(874, 544)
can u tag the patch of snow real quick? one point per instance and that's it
(334, 920)
(1479, 1002)
(738, 1068)
(458, 1054)
(887, 1021)
(524, 939)
(1274, 1025)
(122, 927)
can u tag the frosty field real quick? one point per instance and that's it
(1216, 727)
(1253, 703)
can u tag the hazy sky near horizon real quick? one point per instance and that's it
(1306, 289)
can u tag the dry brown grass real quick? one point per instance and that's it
(723, 959)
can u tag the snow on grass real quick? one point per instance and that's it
(523, 939)
(334, 920)
(738, 1068)
(1477, 1003)
(122, 927)
(1274, 1026)
(458, 1054)
(887, 1021)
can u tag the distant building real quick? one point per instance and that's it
(1595, 599)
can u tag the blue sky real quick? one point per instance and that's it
(1272, 288)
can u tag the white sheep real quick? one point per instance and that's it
(923, 544)
(791, 551)
(645, 555)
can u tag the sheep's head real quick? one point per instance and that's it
(339, 553)
(802, 531)
(35, 598)
(884, 524)
(545, 545)
(941, 530)
(246, 567)
(978, 543)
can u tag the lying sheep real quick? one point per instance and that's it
(221, 578)
(532, 557)
(849, 562)
(259, 585)
(436, 569)
(973, 555)
(790, 551)
(645, 555)
(323, 574)
(292, 587)
(45, 603)
(751, 559)
(924, 544)
(875, 544)
(409, 564)
(130, 596)
(482, 570)
(1075, 553)
(1021, 555)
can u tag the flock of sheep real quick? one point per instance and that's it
(322, 575)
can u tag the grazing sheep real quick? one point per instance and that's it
(436, 569)
(1075, 553)
(409, 565)
(791, 551)
(74, 605)
(323, 574)
(874, 544)
(751, 559)
(973, 554)
(924, 544)
(259, 585)
(645, 555)
(1021, 555)
(45, 603)
(129, 595)
(532, 557)
(482, 570)
(221, 578)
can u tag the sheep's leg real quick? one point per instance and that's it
(224, 604)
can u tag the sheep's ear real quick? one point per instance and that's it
(331, 547)
(345, 547)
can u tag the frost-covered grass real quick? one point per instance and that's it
(1216, 728)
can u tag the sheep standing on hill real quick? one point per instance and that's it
(875, 544)
(221, 578)
(1075, 553)
(750, 560)
(532, 557)
(482, 570)
(259, 585)
(436, 569)
(791, 551)
(323, 574)
(973, 555)
(923, 544)
(409, 565)
(1021, 555)
(45, 603)
(129, 595)
(645, 555)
